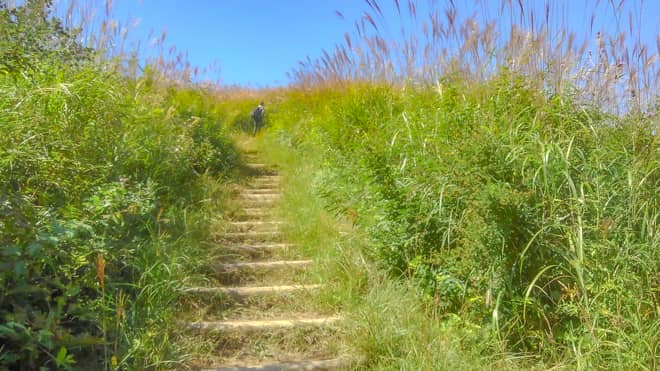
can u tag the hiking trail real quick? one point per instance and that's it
(259, 313)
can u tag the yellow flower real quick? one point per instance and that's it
(113, 361)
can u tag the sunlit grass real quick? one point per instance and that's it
(496, 190)
(105, 186)
(529, 223)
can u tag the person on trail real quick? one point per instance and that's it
(258, 117)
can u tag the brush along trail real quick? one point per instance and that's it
(258, 311)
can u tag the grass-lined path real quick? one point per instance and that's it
(258, 314)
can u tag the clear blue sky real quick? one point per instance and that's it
(256, 42)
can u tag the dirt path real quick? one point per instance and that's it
(259, 313)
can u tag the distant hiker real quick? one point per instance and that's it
(258, 117)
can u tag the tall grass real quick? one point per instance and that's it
(534, 219)
(506, 169)
(103, 184)
(497, 166)
(613, 68)
(387, 321)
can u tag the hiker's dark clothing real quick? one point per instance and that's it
(258, 117)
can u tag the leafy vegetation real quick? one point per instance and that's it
(499, 189)
(101, 176)
(522, 200)
(532, 219)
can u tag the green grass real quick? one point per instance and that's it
(500, 213)
(389, 323)
(106, 183)
(527, 225)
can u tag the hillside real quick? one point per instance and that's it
(472, 206)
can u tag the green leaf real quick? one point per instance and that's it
(20, 267)
(34, 248)
(61, 356)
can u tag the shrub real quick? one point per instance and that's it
(98, 173)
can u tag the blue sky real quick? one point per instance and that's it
(256, 42)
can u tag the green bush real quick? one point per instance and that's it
(98, 173)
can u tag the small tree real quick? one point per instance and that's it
(31, 36)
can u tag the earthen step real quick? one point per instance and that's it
(307, 365)
(259, 235)
(252, 224)
(259, 204)
(255, 223)
(267, 177)
(265, 182)
(256, 210)
(262, 265)
(272, 186)
(257, 249)
(257, 192)
(261, 245)
(261, 190)
(252, 215)
(258, 246)
(245, 325)
(260, 196)
(251, 290)
(258, 200)
(273, 180)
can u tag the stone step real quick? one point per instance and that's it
(263, 273)
(255, 223)
(257, 250)
(261, 191)
(306, 365)
(251, 290)
(262, 325)
(259, 246)
(267, 177)
(254, 214)
(251, 235)
(280, 345)
(256, 210)
(263, 265)
(270, 186)
(266, 204)
(245, 196)
(260, 196)
(262, 180)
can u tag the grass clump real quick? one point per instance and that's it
(104, 180)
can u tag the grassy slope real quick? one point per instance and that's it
(485, 222)
(388, 321)
(106, 185)
(529, 225)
